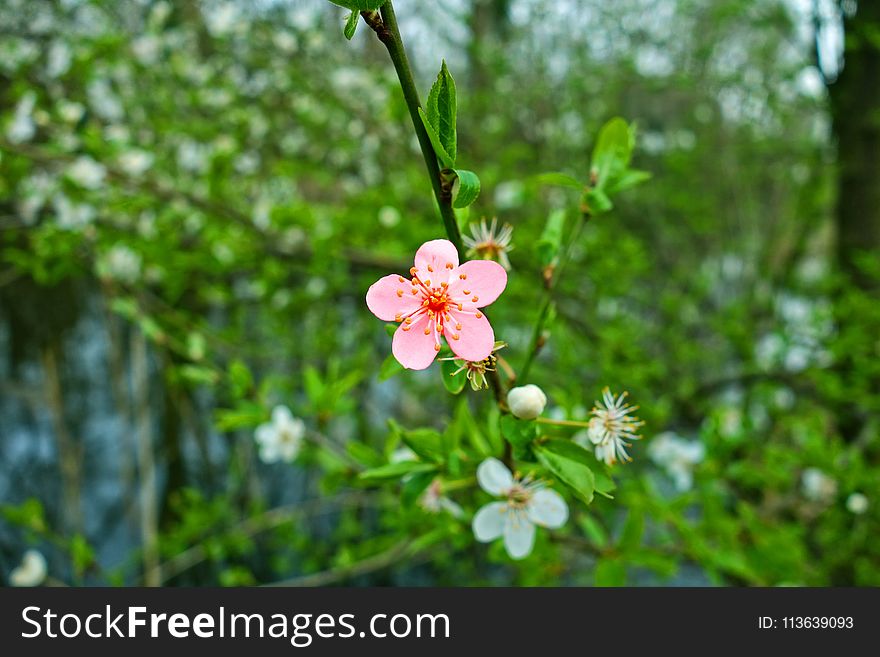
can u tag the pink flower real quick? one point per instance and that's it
(442, 298)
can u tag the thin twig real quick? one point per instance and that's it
(395, 554)
(386, 29)
(550, 280)
(149, 512)
(263, 522)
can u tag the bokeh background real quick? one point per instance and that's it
(195, 196)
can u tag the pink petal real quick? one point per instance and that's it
(411, 347)
(484, 279)
(433, 260)
(384, 301)
(475, 337)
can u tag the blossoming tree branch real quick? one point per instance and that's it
(534, 468)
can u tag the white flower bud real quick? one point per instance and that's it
(857, 503)
(527, 402)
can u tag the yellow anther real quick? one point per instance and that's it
(475, 298)
(398, 317)
(463, 276)
(430, 268)
(449, 265)
(428, 283)
(409, 320)
(436, 347)
(404, 328)
(458, 326)
(479, 315)
(400, 279)
(400, 293)
(466, 291)
(444, 285)
(460, 307)
(455, 336)
(427, 331)
(415, 291)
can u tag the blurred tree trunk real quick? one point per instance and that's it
(855, 109)
(488, 25)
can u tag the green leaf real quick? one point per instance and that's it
(454, 384)
(609, 572)
(519, 433)
(465, 189)
(594, 531)
(427, 443)
(390, 329)
(313, 385)
(551, 238)
(439, 150)
(559, 179)
(612, 153)
(568, 462)
(390, 367)
(440, 110)
(604, 483)
(629, 178)
(359, 5)
(631, 536)
(198, 375)
(597, 202)
(247, 414)
(81, 554)
(415, 486)
(396, 470)
(364, 454)
(351, 25)
(240, 378)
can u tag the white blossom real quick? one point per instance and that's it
(223, 19)
(58, 59)
(526, 402)
(402, 454)
(121, 264)
(32, 570)
(86, 172)
(136, 162)
(490, 242)
(612, 425)
(70, 112)
(23, 128)
(526, 503)
(389, 216)
(146, 49)
(103, 101)
(192, 156)
(434, 501)
(677, 457)
(818, 486)
(857, 503)
(281, 438)
(70, 215)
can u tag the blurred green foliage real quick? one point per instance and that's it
(227, 180)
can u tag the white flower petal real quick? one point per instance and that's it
(297, 429)
(519, 536)
(288, 450)
(266, 435)
(494, 477)
(32, 570)
(548, 509)
(451, 507)
(489, 522)
(281, 415)
(270, 453)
